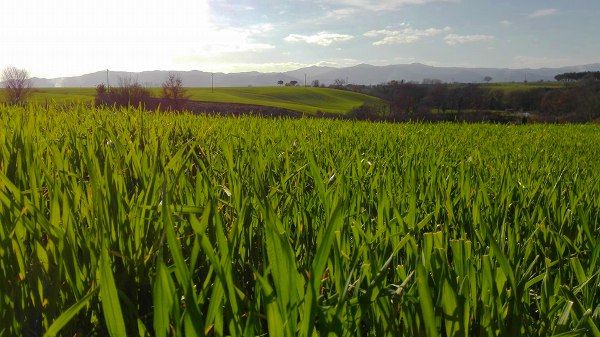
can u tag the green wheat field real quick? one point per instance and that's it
(120, 222)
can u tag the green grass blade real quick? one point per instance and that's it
(163, 295)
(427, 310)
(111, 307)
(69, 314)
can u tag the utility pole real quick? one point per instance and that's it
(212, 82)
(107, 83)
(305, 79)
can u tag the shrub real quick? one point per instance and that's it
(128, 93)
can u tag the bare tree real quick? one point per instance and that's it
(339, 83)
(173, 91)
(129, 93)
(17, 85)
(102, 97)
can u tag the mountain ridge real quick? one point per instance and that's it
(362, 74)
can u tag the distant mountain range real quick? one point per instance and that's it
(359, 74)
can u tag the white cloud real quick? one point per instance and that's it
(266, 67)
(344, 62)
(378, 5)
(233, 40)
(322, 38)
(454, 39)
(506, 22)
(227, 66)
(403, 36)
(544, 12)
(260, 28)
(334, 16)
(341, 13)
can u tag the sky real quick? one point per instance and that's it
(73, 37)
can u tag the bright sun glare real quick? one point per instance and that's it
(71, 37)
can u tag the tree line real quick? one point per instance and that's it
(18, 87)
(577, 76)
(130, 92)
(580, 99)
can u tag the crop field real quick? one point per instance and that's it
(127, 223)
(522, 86)
(303, 99)
(62, 95)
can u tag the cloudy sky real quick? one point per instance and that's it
(73, 37)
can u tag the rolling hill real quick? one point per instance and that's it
(302, 99)
(359, 74)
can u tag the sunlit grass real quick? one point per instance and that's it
(309, 100)
(122, 222)
(522, 86)
(303, 99)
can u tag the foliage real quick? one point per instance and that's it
(17, 85)
(339, 83)
(579, 99)
(577, 76)
(302, 99)
(120, 222)
(101, 89)
(173, 92)
(128, 93)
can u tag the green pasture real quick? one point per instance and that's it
(120, 222)
(303, 99)
(522, 86)
(63, 95)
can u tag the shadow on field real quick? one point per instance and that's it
(365, 114)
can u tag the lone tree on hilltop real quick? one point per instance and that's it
(173, 91)
(17, 85)
(339, 83)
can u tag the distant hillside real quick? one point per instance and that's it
(298, 99)
(368, 74)
(359, 74)
(192, 78)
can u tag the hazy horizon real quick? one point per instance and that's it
(65, 38)
(304, 67)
